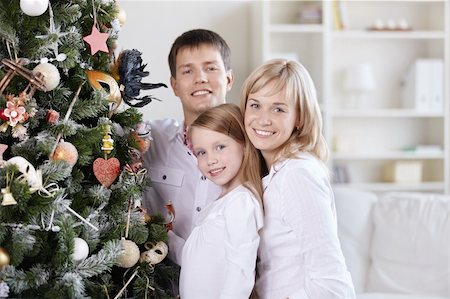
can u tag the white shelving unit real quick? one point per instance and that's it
(379, 131)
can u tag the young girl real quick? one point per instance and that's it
(219, 257)
(299, 254)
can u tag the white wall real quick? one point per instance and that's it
(152, 26)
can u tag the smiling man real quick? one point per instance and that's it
(201, 76)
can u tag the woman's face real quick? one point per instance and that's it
(269, 121)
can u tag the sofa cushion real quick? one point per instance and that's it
(353, 209)
(410, 246)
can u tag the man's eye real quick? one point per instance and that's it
(186, 72)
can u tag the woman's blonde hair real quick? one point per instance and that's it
(292, 78)
(227, 119)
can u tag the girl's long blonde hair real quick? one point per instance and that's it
(227, 119)
(294, 79)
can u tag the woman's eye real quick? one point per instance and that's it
(277, 109)
(254, 105)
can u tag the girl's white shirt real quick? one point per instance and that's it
(300, 254)
(219, 257)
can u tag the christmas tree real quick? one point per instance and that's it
(71, 144)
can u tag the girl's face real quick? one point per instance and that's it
(269, 121)
(219, 157)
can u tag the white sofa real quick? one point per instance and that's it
(396, 245)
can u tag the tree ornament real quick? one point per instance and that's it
(121, 15)
(115, 97)
(4, 258)
(65, 151)
(106, 171)
(80, 250)
(97, 40)
(130, 255)
(52, 116)
(17, 67)
(154, 254)
(142, 135)
(50, 73)
(33, 8)
(4, 289)
(8, 198)
(108, 142)
(129, 71)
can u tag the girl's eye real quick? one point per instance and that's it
(220, 147)
(199, 153)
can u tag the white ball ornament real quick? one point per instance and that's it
(121, 15)
(80, 249)
(51, 75)
(130, 255)
(33, 8)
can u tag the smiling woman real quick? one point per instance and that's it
(299, 253)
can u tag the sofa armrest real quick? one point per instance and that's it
(355, 229)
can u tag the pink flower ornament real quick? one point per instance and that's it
(14, 113)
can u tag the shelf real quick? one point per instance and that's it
(394, 155)
(296, 28)
(380, 113)
(367, 34)
(383, 187)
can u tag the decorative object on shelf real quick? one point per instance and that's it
(358, 82)
(403, 172)
(390, 25)
(310, 13)
(33, 8)
(423, 86)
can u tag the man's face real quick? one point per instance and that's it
(201, 80)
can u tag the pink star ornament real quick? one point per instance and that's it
(97, 41)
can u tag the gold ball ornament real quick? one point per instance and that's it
(130, 255)
(121, 15)
(66, 151)
(51, 75)
(4, 257)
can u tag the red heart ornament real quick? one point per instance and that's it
(106, 171)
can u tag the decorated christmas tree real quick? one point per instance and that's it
(71, 145)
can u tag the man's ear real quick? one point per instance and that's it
(230, 79)
(173, 83)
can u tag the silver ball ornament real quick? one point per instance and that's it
(33, 8)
